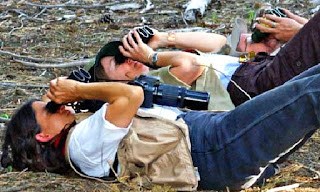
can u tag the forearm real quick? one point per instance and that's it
(107, 91)
(205, 42)
(124, 100)
(185, 66)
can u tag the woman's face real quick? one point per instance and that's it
(125, 71)
(52, 123)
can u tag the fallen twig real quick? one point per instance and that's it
(55, 65)
(283, 188)
(314, 171)
(16, 188)
(72, 5)
(30, 58)
(42, 11)
(7, 84)
(27, 16)
(5, 17)
(149, 6)
(4, 120)
(14, 29)
(124, 6)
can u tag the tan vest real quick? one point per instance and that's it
(156, 151)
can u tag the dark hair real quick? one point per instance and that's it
(21, 150)
(109, 49)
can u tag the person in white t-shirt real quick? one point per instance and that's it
(232, 149)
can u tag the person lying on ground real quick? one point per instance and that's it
(233, 149)
(212, 72)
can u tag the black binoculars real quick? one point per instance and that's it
(257, 36)
(80, 75)
(145, 34)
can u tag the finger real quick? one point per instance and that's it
(125, 43)
(131, 41)
(265, 22)
(287, 12)
(124, 52)
(53, 84)
(274, 18)
(137, 36)
(50, 95)
(265, 29)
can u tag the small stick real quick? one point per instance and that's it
(72, 5)
(7, 84)
(29, 58)
(55, 65)
(12, 30)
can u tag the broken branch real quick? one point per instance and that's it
(7, 84)
(30, 58)
(72, 5)
(55, 65)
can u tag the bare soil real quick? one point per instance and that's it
(72, 33)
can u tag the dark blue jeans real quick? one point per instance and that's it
(236, 148)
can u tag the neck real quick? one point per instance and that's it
(59, 140)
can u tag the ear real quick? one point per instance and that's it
(41, 137)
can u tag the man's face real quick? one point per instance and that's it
(124, 71)
(267, 45)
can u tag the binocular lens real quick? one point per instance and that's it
(75, 75)
(142, 32)
(85, 74)
(148, 30)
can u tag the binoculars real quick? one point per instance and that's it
(145, 34)
(80, 75)
(257, 36)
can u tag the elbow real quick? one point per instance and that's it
(222, 41)
(137, 96)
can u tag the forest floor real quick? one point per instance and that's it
(34, 36)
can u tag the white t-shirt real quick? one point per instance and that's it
(94, 143)
(95, 140)
(225, 66)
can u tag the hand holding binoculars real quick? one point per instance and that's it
(80, 75)
(145, 34)
(257, 36)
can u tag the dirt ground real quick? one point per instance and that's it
(61, 33)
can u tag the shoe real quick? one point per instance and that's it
(233, 39)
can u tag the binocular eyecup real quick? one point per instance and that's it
(145, 34)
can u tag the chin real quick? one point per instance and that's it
(145, 69)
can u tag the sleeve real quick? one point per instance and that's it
(167, 77)
(94, 142)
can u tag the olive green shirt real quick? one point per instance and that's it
(208, 81)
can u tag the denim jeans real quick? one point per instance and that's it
(299, 54)
(235, 148)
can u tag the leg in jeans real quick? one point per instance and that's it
(299, 54)
(234, 148)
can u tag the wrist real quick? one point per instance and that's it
(162, 42)
(152, 60)
(150, 55)
(171, 39)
